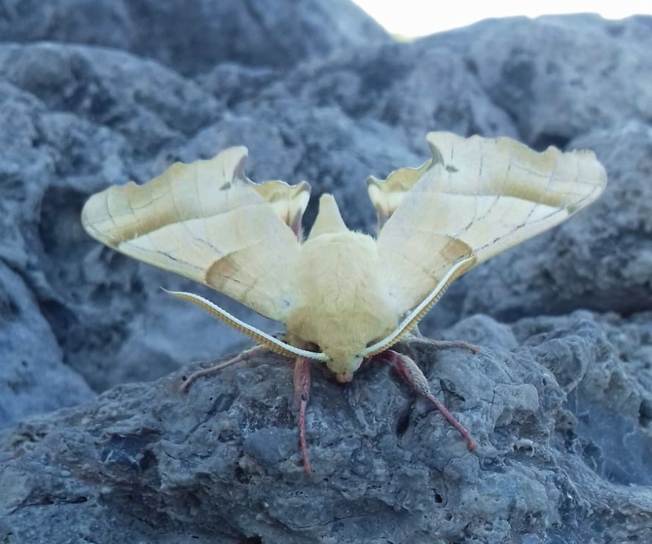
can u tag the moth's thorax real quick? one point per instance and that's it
(342, 304)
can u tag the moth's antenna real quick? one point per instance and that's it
(274, 344)
(420, 310)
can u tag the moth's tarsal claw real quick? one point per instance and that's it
(301, 398)
(412, 374)
(187, 381)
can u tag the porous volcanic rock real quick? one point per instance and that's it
(195, 37)
(561, 408)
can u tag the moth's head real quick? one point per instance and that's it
(342, 344)
(343, 363)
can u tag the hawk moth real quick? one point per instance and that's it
(343, 296)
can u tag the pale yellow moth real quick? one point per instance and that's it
(343, 296)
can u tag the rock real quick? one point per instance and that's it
(559, 77)
(82, 117)
(33, 378)
(560, 407)
(463, 81)
(146, 103)
(195, 38)
(110, 317)
(601, 259)
(76, 119)
(414, 87)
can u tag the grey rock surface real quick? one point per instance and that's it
(194, 37)
(560, 400)
(560, 408)
(559, 77)
(415, 87)
(490, 79)
(71, 125)
(33, 378)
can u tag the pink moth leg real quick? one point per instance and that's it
(412, 374)
(301, 397)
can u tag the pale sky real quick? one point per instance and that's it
(411, 18)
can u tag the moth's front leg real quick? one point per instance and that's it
(301, 397)
(189, 380)
(413, 375)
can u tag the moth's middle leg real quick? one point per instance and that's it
(204, 372)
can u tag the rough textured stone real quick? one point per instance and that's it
(74, 120)
(415, 87)
(559, 77)
(197, 36)
(560, 407)
(33, 378)
(311, 143)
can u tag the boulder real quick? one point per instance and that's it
(561, 409)
(33, 376)
(191, 38)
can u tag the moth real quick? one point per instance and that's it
(343, 296)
